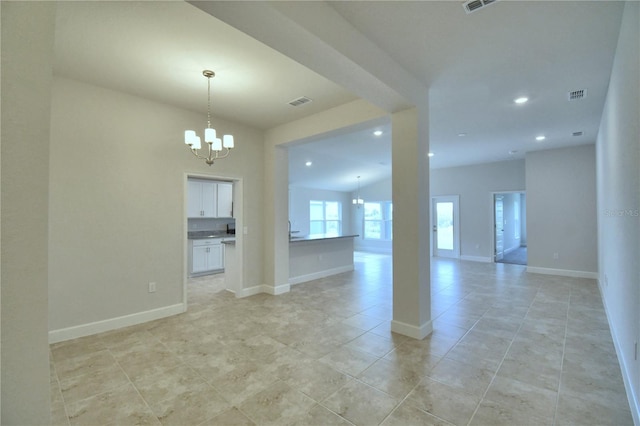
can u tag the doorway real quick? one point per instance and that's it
(509, 228)
(445, 226)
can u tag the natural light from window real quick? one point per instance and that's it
(325, 217)
(378, 220)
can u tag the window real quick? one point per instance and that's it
(378, 220)
(325, 217)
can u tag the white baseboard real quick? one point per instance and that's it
(562, 272)
(477, 258)
(83, 330)
(320, 274)
(411, 330)
(274, 291)
(627, 377)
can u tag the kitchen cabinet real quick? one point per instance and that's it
(201, 198)
(206, 256)
(224, 198)
(209, 199)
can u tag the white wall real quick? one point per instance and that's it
(299, 198)
(475, 184)
(117, 193)
(378, 191)
(26, 86)
(561, 211)
(618, 171)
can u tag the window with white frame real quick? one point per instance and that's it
(325, 217)
(378, 220)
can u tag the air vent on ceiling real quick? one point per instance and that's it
(473, 5)
(299, 101)
(577, 133)
(577, 94)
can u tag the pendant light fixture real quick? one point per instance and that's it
(216, 145)
(358, 201)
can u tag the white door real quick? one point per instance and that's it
(499, 227)
(445, 226)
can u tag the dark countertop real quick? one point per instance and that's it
(203, 235)
(319, 237)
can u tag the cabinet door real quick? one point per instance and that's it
(200, 259)
(209, 199)
(194, 199)
(225, 200)
(215, 257)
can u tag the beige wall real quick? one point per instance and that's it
(26, 82)
(618, 157)
(117, 222)
(561, 210)
(474, 184)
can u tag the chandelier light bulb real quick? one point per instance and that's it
(215, 144)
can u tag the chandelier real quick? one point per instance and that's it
(358, 201)
(216, 145)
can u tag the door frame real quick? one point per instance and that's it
(455, 199)
(238, 213)
(493, 218)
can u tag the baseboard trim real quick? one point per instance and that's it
(91, 328)
(632, 397)
(412, 330)
(477, 259)
(562, 272)
(320, 274)
(275, 290)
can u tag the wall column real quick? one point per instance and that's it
(27, 55)
(411, 262)
(276, 215)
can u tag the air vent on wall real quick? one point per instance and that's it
(577, 94)
(299, 101)
(577, 133)
(473, 5)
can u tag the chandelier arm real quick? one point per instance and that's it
(189, 135)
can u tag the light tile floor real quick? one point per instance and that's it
(508, 347)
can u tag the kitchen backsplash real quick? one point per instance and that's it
(210, 224)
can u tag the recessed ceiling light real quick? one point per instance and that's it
(540, 138)
(378, 132)
(431, 154)
(462, 135)
(308, 163)
(521, 100)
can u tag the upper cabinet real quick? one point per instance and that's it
(209, 199)
(224, 197)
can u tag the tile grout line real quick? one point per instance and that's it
(564, 347)
(484, 395)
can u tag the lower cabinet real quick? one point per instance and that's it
(206, 256)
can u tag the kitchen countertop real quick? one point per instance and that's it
(318, 237)
(203, 235)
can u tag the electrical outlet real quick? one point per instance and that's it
(152, 287)
(556, 256)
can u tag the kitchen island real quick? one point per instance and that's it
(319, 255)
(310, 258)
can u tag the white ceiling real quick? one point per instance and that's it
(474, 66)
